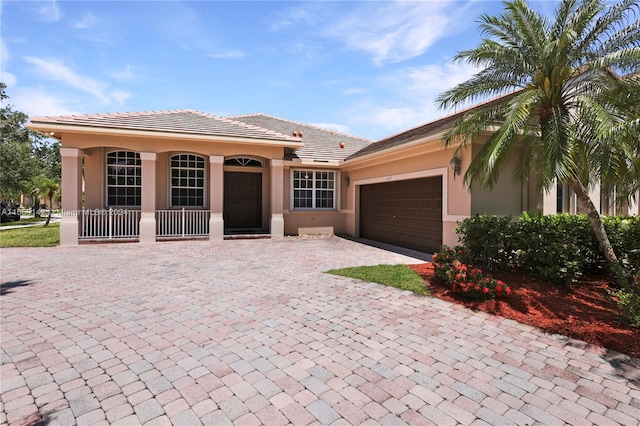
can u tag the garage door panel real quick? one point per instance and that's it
(405, 213)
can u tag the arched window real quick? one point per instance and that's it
(187, 180)
(124, 179)
(243, 162)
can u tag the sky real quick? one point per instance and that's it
(367, 68)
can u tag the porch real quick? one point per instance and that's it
(158, 214)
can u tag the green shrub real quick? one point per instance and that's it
(629, 299)
(558, 248)
(464, 279)
(624, 234)
(487, 240)
(443, 261)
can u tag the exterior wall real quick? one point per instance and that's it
(94, 172)
(409, 161)
(26, 202)
(534, 197)
(420, 160)
(295, 219)
(604, 203)
(163, 184)
(159, 145)
(507, 197)
(96, 148)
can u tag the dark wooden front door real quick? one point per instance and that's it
(406, 213)
(242, 200)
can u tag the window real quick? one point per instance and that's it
(124, 178)
(187, 180)
(313, 189)
(243, 162)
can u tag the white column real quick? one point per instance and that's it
(594, 194)
(277, 198)
(148, 197)
(634, 206)
(550, 199)
(72, 198)
(216, 197)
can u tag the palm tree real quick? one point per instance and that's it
(556, 101)
(47, 187)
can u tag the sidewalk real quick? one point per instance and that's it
(54, 219)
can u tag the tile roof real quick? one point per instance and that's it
(319, 144)
(172, 121)
(425, 130)
(407, 136)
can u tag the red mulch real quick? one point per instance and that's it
(585, 312)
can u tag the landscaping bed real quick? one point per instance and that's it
(586, 311)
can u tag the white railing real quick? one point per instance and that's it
(109, 224)
(182, 223)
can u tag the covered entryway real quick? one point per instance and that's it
(406, 213)
(242, 201)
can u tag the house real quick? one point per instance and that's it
(184, 174)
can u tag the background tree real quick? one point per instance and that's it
(17, 164)
(556, 109)
(24, 154)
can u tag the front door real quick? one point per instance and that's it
(242, 200)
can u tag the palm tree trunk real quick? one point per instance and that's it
(50, 211)
(598, 229)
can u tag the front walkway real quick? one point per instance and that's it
(253, 332)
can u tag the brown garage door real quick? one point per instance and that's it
(406, 213)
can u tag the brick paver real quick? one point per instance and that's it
(253, 332)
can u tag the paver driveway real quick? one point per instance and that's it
(253, 332)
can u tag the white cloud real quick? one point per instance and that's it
(406, 99)
(229, 54)
(39, 102)
(49, 11)
(57, 71)
(126, 74)
(89, 20)
(333, 126)
(120, 97)
(354, 91)
(431, 80)
(396, 31)
(5, 76)
(304, 14)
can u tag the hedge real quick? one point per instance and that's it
(556, 247)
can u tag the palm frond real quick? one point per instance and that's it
(606, 26)
(516, 118)
(570, 121)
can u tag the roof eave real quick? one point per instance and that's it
(52, 129)
(385, 151)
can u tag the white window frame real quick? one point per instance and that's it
(204, 177)
(244, 161)
(116, 185)
(314, 188)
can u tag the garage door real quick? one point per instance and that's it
(406, 213)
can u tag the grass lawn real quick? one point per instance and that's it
(31, 236)
(398, 276)
(24, 221)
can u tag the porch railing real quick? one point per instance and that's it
(100, 224)
(182, 223)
